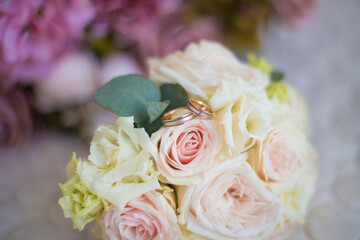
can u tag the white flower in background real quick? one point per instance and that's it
(118, 65)
(230, 203)
(73, 80)
(120, 166)
(201, 67)
(243, 114)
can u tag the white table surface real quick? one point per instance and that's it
(322, 60)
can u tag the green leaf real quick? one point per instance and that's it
(169, 92)
(128, 96)
(276, 76)
(155, 109)
(150, 128)
(175, 94)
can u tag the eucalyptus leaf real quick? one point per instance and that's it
(155, 109)
(169, 92)
(175, 94)
(150, 128)
(276, 76)
(128, 96)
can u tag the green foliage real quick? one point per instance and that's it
(155, 109)
(260, 63)
(175, 94)
(78, 202)
(276, 76)
(177, 97)
(130, 95)
(136, 96)
(278, 90)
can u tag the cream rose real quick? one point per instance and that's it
(279, 157)
(147, 217)
(186, 151)
(201, 67)
(298, 105)
(291, 113)
(230, 203)
(120, 166)
(282, 231)
(243, 114)
(296, 195)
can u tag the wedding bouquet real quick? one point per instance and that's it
(207, 148)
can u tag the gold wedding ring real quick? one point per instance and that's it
(177, 117)
(200, 108)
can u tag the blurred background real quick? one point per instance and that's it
(55, 54)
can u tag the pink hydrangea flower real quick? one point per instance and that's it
(173, 34)
(34, 33)
(133, 19)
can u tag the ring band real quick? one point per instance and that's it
(200, 108)
(169, 120)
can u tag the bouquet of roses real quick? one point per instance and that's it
(218, 151)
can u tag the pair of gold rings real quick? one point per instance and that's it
(194, 108)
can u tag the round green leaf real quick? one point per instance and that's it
(155, 109)
(128, 96)
(175, 94)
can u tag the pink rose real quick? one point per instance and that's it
(186, 151)
(278, 158)
(149, 216)
(230, 203)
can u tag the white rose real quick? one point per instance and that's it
(120, 166)
(201, 67)
(73, 80)
(282, 231)
(298, 105)
(230, 203)
(291, 113)
(243, 113)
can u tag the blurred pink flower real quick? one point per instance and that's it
(16, 122)
(175, 35)
(133, 19)
(294, 12)
(33, 33)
